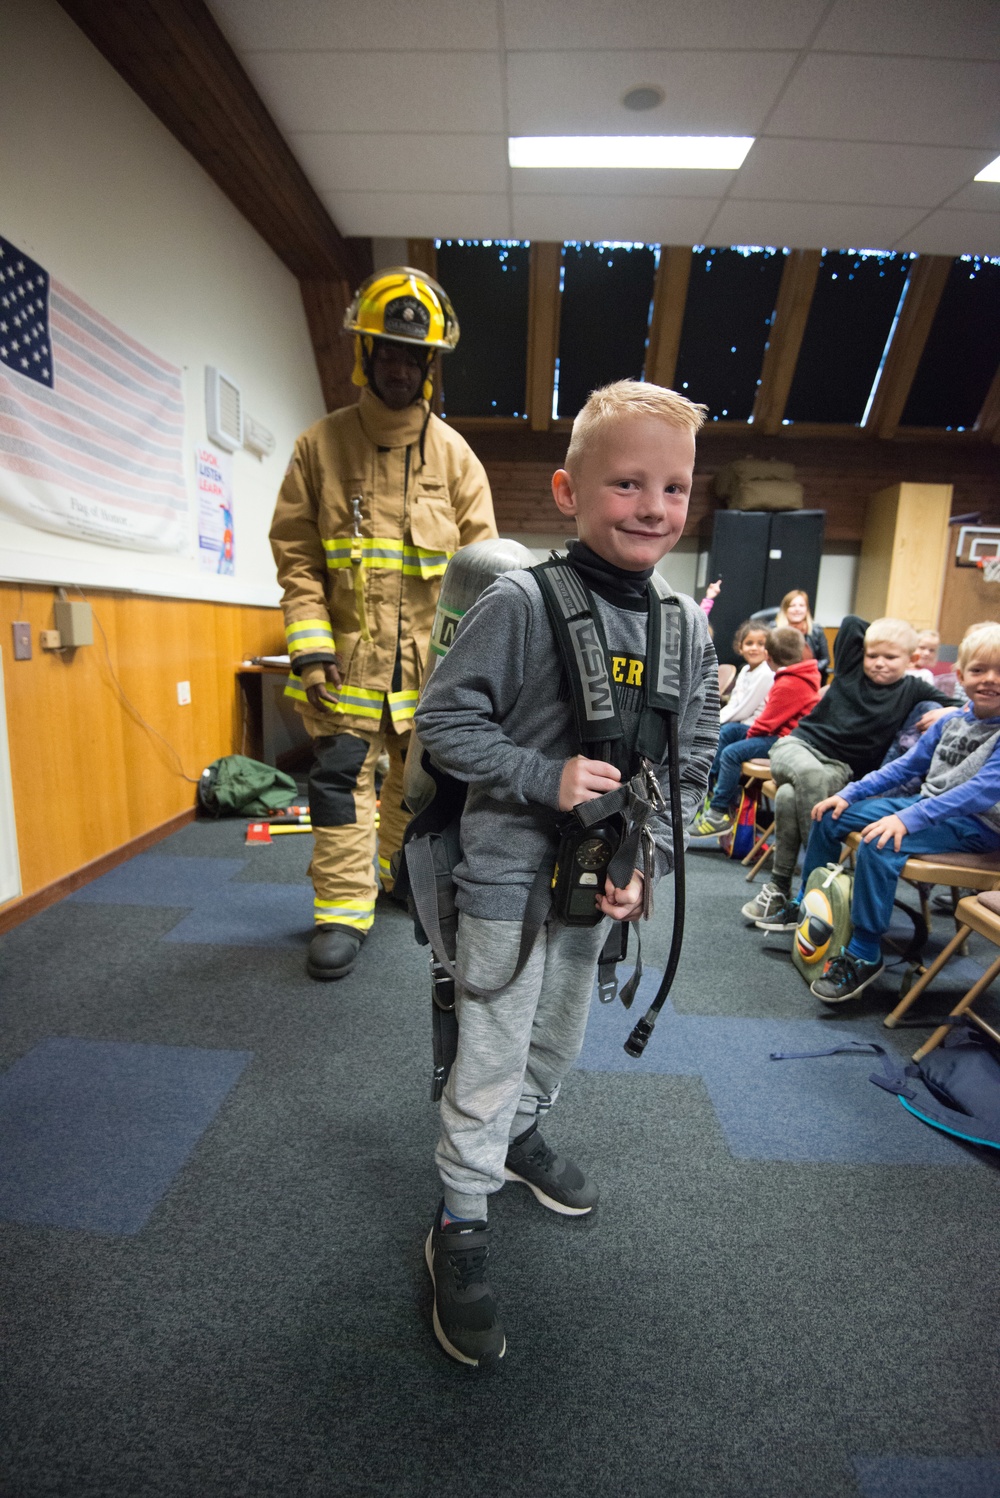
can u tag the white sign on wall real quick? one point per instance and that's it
(214, 486)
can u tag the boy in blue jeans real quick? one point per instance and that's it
(497, 713)
(956, 810)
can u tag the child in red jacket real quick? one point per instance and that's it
(794, 693)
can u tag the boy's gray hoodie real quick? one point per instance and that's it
(496, 713)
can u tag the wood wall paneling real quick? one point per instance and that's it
(925, 287)
(795, 294)
(669, 300)
(903, 553)
(967, 599)
(87, 775)
(544, 305)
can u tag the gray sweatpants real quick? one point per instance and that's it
(514, 1048)
(803, 776)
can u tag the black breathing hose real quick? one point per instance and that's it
(636, 1043)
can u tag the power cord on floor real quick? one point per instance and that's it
(129, 705)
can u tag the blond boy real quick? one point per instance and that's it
(956, 810)
(498, 715)
(844, 737)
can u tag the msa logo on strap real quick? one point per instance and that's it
(569, 592)
(595, 683)
(668, 662)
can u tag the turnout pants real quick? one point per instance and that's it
(342, 803)
(876, 870)
(514, 1048)
(803, 776)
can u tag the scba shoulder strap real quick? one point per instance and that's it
(583, 650)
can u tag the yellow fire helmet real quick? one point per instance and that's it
(404, 306)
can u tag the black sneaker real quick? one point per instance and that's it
(783, 917)
(465, 1313)
(844, 977)
(556, 1182)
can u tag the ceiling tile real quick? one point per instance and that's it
(948, 233)
(906, 99)
(978, 197)
(403, 163)
(924, 28)
(810, 225)
(331, 91)
(707, 93)
(430, 26)
(626, 184)
(817, 171)
(421, 215)
(651, 220)
(594, 24)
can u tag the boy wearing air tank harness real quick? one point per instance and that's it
(498, 714)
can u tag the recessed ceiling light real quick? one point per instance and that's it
(645, 96)
(989, 173)
(621, 152)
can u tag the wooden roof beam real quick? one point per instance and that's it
(544, 306)
(791, 312)
(928, 276)
(173, 54)
(988, 420)
(669, 301)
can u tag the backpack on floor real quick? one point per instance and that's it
(954, 1088)
(235, 786)
(825, 924)
(737, 844)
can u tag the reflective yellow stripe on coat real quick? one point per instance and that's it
(360, 702)
(307, 635)
(387, 555)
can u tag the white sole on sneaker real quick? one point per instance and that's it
(765, 925)
(546, 1201)
(825, 999)
(449, 1348)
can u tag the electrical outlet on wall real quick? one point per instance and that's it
(22, 640)
(184, 693)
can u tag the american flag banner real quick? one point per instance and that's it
(91, 422)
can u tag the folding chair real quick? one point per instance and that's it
(727, 675)
(978, 871)
(979, 913)
(760, 770)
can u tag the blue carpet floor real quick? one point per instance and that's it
(216, 1177)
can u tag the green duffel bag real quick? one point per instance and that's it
(235, 786)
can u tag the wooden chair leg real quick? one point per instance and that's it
(892, 1020)
(757, 846)
(979, 987)
(762, 860)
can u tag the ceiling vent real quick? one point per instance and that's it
(223, 409)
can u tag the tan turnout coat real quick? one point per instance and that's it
(415, 511)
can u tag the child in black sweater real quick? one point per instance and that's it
(844, 737)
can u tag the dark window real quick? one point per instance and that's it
(487, 281)
(963, 350)
(607, 291)
(853, 308)
(727, 318)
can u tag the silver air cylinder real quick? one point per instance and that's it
(469, 573)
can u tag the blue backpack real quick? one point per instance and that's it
(955, 1087)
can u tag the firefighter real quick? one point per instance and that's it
(376, 498)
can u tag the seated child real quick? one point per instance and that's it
(498, 715)
(924, 656)
(794, 693)
(843, 738)
(753, 681)
(956, 810)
